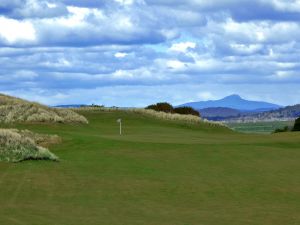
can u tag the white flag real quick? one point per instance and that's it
(119, 120)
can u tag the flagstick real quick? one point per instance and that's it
(120, 122)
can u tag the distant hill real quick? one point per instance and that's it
(70, 106)
(18, 110)
(286, 113)
(233, 115)
(219, 113)
(234, 102)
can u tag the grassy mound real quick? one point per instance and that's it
(16, 146)
(18, 110)
(192, 119)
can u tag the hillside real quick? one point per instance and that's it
(286, 113)
(234, 102)
(158, 172)
(189, 119)
(18, 110)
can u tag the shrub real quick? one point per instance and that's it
(280, 130)
(162, 107)
(186, 111)
(16, 146)
(297, 125)
(168, 108)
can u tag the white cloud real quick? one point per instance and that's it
(251, 31)
(246, 49)
(286, 5)
(51, 5)
(125, 2)
(76, 17)
(14, 31)
(183, 46)
(175, 64)
(120, 54)
(205, 96)
(285, 74)
(122, 74)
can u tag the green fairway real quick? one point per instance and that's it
(157, 173)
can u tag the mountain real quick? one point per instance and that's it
(234, 102)
(219, 113)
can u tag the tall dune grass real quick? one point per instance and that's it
(159, 115)
(16, 145)
(18, 110)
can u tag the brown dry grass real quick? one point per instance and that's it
(19, 145)
(18, 110)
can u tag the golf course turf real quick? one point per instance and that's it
(157, 173)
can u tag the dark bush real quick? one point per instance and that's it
(168, 108)
(187, 111)
(153, 107)
(297, 125)
(162, 107)
(96, 106)
(280, 130)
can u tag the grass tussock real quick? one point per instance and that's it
(19, 145)
(159, 115)
(18, 110)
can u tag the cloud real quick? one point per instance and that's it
(91, 27)
(14, 31)
(240, 10)
(149, 50)
(120, 54)
(183, 46)
(20, 9)
(175, 64)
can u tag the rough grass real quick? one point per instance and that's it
(17, 110)
(19, 145)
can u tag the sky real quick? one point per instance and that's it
(138, 52)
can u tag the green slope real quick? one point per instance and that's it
(158, 173)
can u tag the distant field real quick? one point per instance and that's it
(157, 173)
(260, 127)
